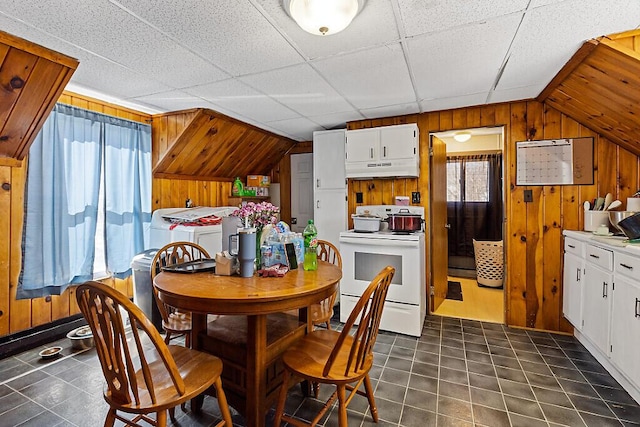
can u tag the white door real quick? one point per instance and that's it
(301, 191)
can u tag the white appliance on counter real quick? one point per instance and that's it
(365, 254)
(162, 231)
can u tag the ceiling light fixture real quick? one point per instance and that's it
(323, 17)
(462, 136)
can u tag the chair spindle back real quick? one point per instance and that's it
(369, 311)
(102, 307)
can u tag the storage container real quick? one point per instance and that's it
(366, 223)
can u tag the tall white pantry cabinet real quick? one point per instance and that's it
(329, 184)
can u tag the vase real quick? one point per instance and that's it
(258, 262)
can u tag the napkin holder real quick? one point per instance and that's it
(225, 264)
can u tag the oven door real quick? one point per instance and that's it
(364, 257)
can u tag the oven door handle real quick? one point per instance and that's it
(378, 242)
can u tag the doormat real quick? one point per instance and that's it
(454, 291)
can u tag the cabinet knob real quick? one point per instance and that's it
(637, 307)
(628, 267)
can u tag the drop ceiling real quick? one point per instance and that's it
(249, 60)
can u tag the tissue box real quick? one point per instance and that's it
(224, 265)
(402, 201)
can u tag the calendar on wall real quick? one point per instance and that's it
(554, 162)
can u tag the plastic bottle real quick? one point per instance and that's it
(310, 235)
(237, 188)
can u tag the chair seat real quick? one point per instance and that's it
(319, 314)
(307, 358)
(178, 323)
(191, 365)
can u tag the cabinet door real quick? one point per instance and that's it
(596, 309)
(625, 327)
(572, 289)
(328, 160)
(330, 214)
(363, 145)
(399, 142)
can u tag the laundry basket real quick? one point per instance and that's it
(489, 262)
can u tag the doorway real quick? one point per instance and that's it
(467, 218)
(301, 191)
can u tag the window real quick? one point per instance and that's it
(468, 178)
(88, 200)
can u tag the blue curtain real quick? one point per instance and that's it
(62, 196)
(127, 189)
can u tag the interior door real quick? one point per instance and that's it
(301, 191)
(438, 229)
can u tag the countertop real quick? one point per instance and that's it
(618, 243)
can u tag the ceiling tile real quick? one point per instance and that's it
(370, 78)
(461, 61)
(337, 120)
(300, 88)
(230, 34)
(374, 25)
(110, 32)
(420, 16)
(515, 94)
(237, 97)
(391, 110)
(550, 35)
(454, 102)
(300, 129)
(175, 100)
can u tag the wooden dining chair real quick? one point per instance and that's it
(174, 322)
(322, 312)
(143, 378)
(340, 358)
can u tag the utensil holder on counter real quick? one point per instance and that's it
(633, 204)
(594, 219)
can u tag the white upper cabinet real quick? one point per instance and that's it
(328, 159)
(387, 151)
(399, 142)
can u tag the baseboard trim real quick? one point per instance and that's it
(34, 337)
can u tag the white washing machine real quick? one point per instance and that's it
(163, 231)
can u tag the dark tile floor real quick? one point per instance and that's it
(459, 373)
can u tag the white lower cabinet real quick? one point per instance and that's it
(597, 306)
(603, 304)
(573, 276)
(625, 321)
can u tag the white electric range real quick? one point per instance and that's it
(365, 254)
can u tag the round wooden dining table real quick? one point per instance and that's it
(256, 298)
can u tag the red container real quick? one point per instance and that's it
(404, 221)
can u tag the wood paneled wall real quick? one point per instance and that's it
(18, 315)
(533, 236)
(171, 193)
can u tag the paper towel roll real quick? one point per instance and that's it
(633, 204)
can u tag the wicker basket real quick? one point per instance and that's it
(489, 262)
